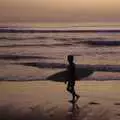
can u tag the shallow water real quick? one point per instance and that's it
(17, 50)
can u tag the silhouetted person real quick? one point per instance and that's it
(71, 77)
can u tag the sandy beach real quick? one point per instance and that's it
(99, 100)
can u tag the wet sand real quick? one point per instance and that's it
(99, 100)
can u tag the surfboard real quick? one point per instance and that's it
(62, 75)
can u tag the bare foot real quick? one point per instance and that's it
(72, 101)
(77, 97)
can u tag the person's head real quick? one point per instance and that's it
(70, 58)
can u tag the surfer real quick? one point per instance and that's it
(71, 77)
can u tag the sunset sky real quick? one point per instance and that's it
(59, 10)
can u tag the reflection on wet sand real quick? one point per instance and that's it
(73, 111)
(39, 112)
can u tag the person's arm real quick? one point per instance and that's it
(74, 72)
(66, 79)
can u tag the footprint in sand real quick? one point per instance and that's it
(93, 103)
(118, 114)
(116, 103)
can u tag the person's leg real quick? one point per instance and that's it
(74, 93)
(69, 87)
(73, 90)
(77, 96)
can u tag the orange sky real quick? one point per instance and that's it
(59, 10)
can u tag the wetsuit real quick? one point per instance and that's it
(71, 78)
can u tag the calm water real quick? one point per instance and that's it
(30, 56)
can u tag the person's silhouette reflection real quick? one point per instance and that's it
(74, 112)
(71, 78)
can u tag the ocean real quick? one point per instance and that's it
(33, 53)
